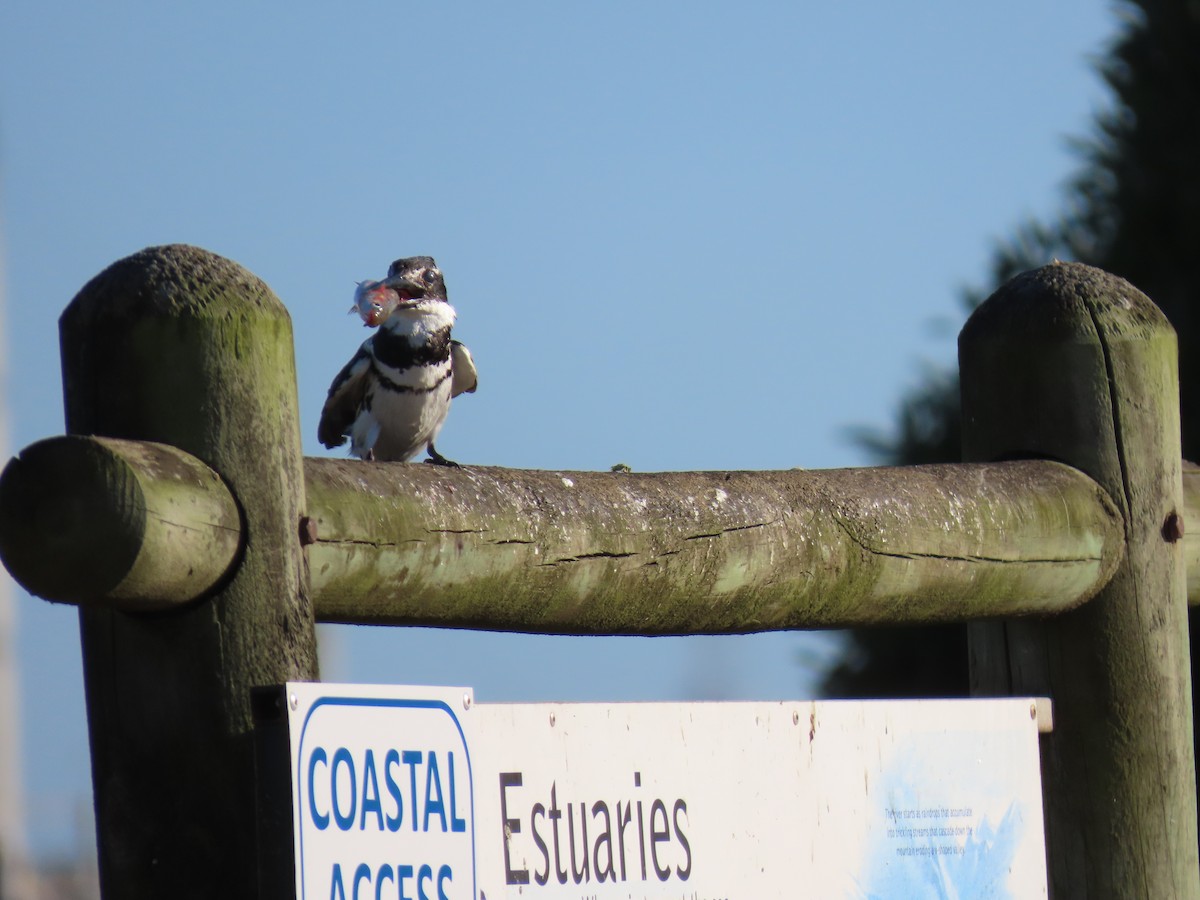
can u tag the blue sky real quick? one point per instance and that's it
(679, 236)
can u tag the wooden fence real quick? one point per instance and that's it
(201, 548)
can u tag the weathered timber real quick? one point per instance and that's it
(67, 553)
(137, 525)
(577, 551)
(709, 552)
(178, 346)
(1071, 363)
(1191, 530)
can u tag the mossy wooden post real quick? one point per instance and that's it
(1071, 363)
(182, 347)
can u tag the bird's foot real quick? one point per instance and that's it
(436, 459)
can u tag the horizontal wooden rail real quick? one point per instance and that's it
(703, 552)
(141, 526)
(137, 525)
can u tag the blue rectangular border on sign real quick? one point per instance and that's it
(381, 702)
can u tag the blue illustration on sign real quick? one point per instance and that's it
(924, 845)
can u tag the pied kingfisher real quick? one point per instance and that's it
(392, 397)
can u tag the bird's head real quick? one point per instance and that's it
(417, 281)
(374, 301)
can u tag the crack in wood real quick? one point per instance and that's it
(730, 529)
(188, 526)
(599, 554)
(1023, 560)
(365, 543)
(1114, 406)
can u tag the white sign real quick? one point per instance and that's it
(419, 794)
(382, 792)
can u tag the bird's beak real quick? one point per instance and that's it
(405, 287)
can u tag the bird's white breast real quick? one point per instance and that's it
(398, 426)
(404, 408)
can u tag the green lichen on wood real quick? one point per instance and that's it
(192, 538)
(180, 346)
(129, 524)
(1191, 529)
(674, 553)
(202, 353)
(1076, 364)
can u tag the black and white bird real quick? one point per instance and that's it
(391, 399)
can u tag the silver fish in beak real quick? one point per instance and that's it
(374, 301)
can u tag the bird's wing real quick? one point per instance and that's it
(465, 379)
(345, 397)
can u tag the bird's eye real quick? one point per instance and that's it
(431, 275)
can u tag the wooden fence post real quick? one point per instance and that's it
(1070, 363)
(179, 346)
